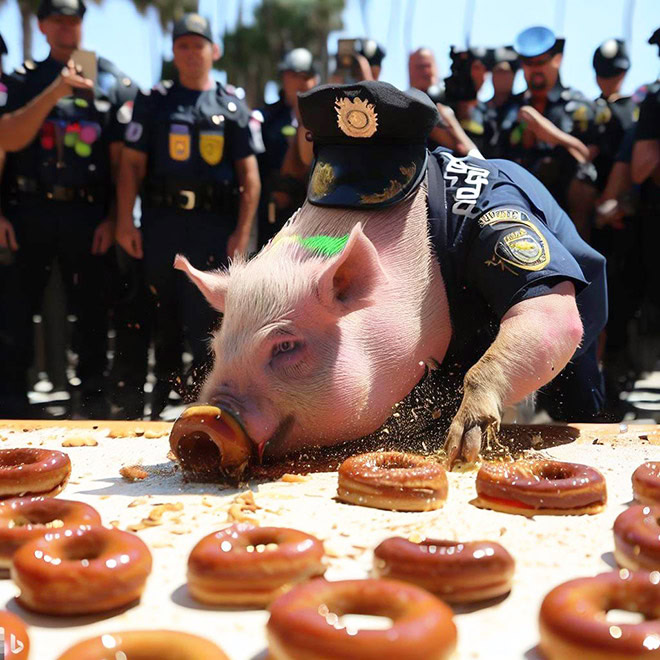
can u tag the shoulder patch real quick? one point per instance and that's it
(520, 244)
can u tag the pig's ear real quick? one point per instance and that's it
(349, 280)
(212, 284)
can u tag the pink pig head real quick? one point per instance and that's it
(318, 339)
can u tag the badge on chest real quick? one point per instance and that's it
(211, 146)
(179, 142)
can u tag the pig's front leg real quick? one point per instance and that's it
(536, 339)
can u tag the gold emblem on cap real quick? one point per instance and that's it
(322, 180)
(356, 118)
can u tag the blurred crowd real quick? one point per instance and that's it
(104, 184)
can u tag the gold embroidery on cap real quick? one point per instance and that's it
(323, 179)
(356, 118)
(394, 187)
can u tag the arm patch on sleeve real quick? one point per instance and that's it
(522, 246)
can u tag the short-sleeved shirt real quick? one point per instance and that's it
(572, 113)
(71, 148)
(191, 137)
(501, 238)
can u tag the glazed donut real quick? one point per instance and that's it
(637, 538)
(144, 645)
(35, 472)
(24, 519)
(17, 642)
(81, 571)
(392, 480)
(237, 567)
(646, 483)
(456, 572)
(572, 620)
(533, 487)
(304, 623)
(209, 442)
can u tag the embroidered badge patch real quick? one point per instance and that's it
(522, 246)
(356, 118)
(211, 147)
(179, 142)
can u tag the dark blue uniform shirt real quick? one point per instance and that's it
(72, 146)
(191, 137)
(501, 238)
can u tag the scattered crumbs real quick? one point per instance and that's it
(29, 442)
(155, 434)
(104, 497)
(72, 481)
(155, 516)
(133, 473)
(171, 456)
(162, 544)
(596, 442)
(205, 502)
(120, 433)
(502, 531)
(79, 441)
(138, 430)
(180, 529)
(294, 478)
(137, 502)
(644, 437)
(114, 523)
(240, 505)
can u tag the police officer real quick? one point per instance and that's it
(645, 172)
(554, 127)
(374, 53)
(283, 193)
(516, 273)
(57, 196)
(190, 153)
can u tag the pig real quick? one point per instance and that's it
(398, 259)
(316, 350)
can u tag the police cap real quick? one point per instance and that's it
(506, 54)
(3, 46)
(60, 8)
(192, 24)
(655, 39)
(369, 143)
(298, 60)
(372, 51)
(535, 41)
(611, 58)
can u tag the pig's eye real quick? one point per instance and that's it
(284, 347)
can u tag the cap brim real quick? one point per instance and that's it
(371, 177)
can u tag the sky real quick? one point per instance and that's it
(135, 42)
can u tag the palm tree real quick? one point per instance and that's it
(252, 52)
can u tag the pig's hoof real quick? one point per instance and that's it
(392, 480)
(210, 444)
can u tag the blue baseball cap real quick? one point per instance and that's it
(535, 41)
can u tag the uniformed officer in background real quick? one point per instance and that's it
(554, 128)
(374, 53)
(645, 172)
(57, 196)
(190, 154)
(282, 191)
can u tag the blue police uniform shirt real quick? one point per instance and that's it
(501, 238)
(279, 125)
(191, 137)
(71, 148)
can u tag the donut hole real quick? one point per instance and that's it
(83, 548)
(553, 472)
(36, 520)
(198, 453)
(355, 617)
(18, 457)
(624, 617)
(261, 547)
(261, 542)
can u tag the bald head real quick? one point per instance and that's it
(422, 69)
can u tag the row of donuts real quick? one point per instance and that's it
(252, 543)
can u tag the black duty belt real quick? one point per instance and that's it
(24, 187)
(208, 198)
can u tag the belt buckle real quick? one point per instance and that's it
(189, 197)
